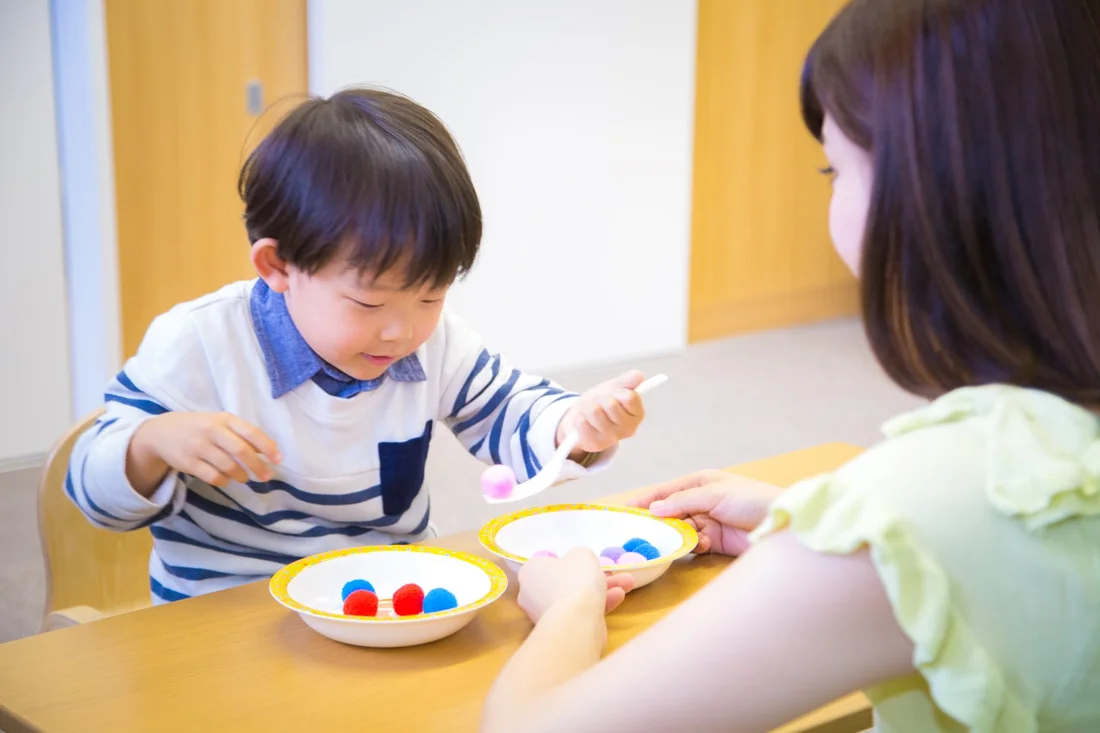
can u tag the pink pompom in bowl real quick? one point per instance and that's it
(557, 529)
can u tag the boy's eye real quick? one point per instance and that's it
(364, 305)
(828, 171)
(431, 301)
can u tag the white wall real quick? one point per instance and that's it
(88, 198)
(34, 360)
(576, 119)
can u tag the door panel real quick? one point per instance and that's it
(761, 256)
(178, 75)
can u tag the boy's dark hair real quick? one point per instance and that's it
(368, 175)
(981, 254)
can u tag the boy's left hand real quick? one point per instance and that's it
(604, 415)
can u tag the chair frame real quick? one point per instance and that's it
(91, 572)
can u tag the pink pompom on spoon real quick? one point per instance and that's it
(498, 483)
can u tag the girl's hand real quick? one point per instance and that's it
(575, 578)
(723, 508)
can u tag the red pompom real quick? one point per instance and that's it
(408, 600)
(361, 603)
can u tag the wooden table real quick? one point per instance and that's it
(237, 661)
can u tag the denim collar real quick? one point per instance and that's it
(291, 362)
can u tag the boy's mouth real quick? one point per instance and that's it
(380, 360)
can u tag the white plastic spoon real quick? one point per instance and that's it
(550, 473)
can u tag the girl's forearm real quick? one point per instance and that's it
(567, 640)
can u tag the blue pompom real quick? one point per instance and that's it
(648, 551)
(631, 545)
(353, 585)
(439, 599)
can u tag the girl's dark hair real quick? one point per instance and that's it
(981, 254)
(370, 176)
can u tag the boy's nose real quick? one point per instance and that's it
(397, 331)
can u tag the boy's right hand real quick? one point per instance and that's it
(215, 447)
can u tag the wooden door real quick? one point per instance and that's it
(761, 256)
(179, 74)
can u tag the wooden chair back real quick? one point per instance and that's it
(90, 572)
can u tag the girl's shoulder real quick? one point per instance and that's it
(1028, 454)
(982, 515)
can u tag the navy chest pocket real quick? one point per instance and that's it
(401, 471)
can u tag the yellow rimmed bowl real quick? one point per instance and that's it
(562, 527)
(312, 587)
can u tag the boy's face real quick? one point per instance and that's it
(358, 323)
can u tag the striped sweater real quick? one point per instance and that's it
(353, 468)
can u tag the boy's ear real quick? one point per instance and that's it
(272, 269)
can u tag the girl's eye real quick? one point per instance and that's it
(828, 171)
(431, 302)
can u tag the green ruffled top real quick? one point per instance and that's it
(982, 516)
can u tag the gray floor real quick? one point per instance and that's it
(726, 402)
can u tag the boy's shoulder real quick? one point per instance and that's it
(451, 326)
(225, 308)
(186, 348)
(212, 305)
(454, 340)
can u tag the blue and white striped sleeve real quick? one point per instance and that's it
(96, 480)
(502, 415)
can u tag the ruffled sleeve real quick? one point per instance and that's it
(1037, 460)
(1042, 453)
(962, 679)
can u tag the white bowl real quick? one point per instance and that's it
(560, 528)
(312, 586)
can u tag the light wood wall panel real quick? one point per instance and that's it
(761, 256)
(178, 74)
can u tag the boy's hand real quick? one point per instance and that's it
(604, 415)
(215, 447)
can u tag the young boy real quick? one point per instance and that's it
(290, 415)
